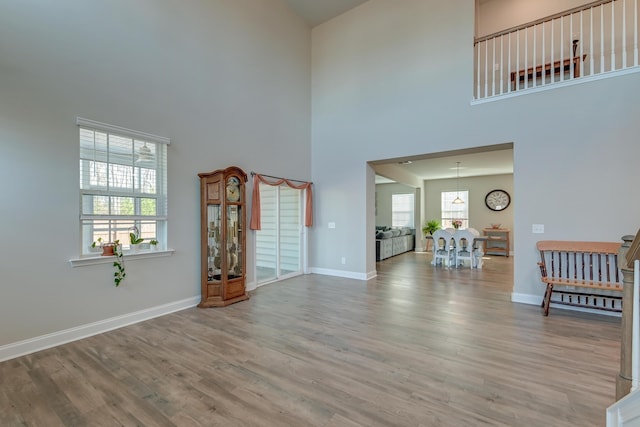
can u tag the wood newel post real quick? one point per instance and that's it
(623, 382)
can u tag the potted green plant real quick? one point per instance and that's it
(108, 249)
(134, 239)
(153, 245)
(429, 228)
(118, 263)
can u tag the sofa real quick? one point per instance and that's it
(392, 241)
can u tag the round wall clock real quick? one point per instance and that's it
(497, 200)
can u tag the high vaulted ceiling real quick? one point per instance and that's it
(315, 12)
(498, 160)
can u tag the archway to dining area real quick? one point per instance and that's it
(475, 175)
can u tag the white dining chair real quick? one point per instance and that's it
(442, 248)
(478, 252)
(464, 247)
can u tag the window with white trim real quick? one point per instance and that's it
(402, 210)
(455, 211)
(123, 184)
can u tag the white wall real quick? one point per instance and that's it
(227, 81)
(498, 15)
(394, 80)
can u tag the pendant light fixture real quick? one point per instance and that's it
(458, 200)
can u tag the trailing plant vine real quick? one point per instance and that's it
(120, 273)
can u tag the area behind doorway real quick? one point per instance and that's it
(474, 172)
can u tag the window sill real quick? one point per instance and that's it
(94, 260)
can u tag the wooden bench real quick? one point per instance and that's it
(586, 272)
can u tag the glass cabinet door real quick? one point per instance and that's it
(214, 251)
(234, 241)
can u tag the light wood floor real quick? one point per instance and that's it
(417, 346)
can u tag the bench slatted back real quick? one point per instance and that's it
(590, 264)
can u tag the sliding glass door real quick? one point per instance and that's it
(279, 241)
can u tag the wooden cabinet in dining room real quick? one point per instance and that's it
(497, 242)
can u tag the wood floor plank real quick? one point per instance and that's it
(416, 346)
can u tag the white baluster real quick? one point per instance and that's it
(509, 60)
(572, 55)
(517, 59)
(553, 41)
(478, 95)
(613, 37)
(526, 57)
(624, 34)
(562, 49)
(542, 60)
(493, 68)
(486, 60)
(591, 60)
(501, 64)
(533, 56)
(602, 38)
(635, 33)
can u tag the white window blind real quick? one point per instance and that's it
(279, 241)
(123, 183)
(451, 211)
(402, 208)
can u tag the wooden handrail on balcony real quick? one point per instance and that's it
(595, 38)
(541, 20)
(528, 74)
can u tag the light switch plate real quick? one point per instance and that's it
(537, 228)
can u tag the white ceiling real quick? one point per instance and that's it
(495, 160)
(316, 12)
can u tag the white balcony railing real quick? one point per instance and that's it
(590, 40)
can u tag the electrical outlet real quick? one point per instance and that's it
(343, 260)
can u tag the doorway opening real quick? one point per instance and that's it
(476, 171)
(280, 243)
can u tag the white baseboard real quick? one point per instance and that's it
(526, 298)
(342, 273)
(21, 348)
(251, 286)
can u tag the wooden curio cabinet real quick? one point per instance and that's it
(223, 242)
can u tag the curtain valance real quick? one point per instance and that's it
(275, 181)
